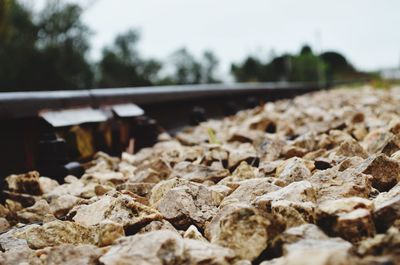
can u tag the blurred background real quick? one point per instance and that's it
(54, 45)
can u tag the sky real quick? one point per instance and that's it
(367, 32)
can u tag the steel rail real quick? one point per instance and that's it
(28, 104)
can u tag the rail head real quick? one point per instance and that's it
(28, 104)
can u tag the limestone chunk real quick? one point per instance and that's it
(152, 171)
(193, 233)
(47, 184)
(104, 177)
(295, 202)
(201, 252)
(25, 183)
(351, 162)
(306, 237)
(271, 148)
(350, 148)
(294, 213)
(392, 145)
(376, 140)
(20, 256)
(189, 204)
(56, 233)
(305, 231)
(152, 248)
(121, 209)
(161, 188)
(385, 171)
(241, 228)
(345, 205)
(293, 169)
(4, 225)
(349, 218)
(333, 184)
(315, 256)
(386, 213)
(158, 225)
(248, 190)
(222, 190)
(71, 255)
(381, 244)
(317, 244)
(198, 173)
(4, 211)
(214, 153)
(39, 212)
(396, 156)
(313, 249)
(73, 186)
(242, 152)
(9, 240)
(300, 191)
(61, 205)
(141, 188)
(242, 172)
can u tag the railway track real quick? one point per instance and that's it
(105, 119)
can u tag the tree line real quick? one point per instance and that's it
(48, 50)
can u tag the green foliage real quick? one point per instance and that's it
(48, 51)
(306, 67)
(122, 66)
(17, 45)
(188, 70)
(44, 53)
(303, 67)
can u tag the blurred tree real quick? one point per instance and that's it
(122, 66)
(210, 65)
(249, 71)
(186, 69)
(63, 41)
(48, 51)
(45, 53)
(337, 66)
(306, 66)
(17, 45)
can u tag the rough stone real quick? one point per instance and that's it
(349, 218)
(385, 171)
(248, 190)
(39, 212)
(70, 255)
(57, 233)
(387, 208)
(333, 184)
(152, 248)
(193, 233)
(61, 205)
(293, 169)
(189, 204)
(25, 183)
(121, 209)
(198, 173)
(295, 202)
(241, 228)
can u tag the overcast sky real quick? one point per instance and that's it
(367, 32)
